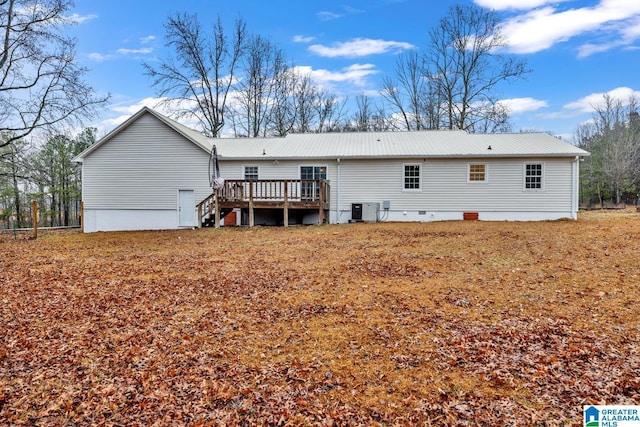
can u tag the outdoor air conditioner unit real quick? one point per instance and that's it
(366, 212)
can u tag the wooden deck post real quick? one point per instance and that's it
(200, 215)
(286, 204)
(216, 199)
(35, 219)
(251, 217)
(321, 210)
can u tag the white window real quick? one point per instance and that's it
(477, 172)
(250, 172)
(533, 176)
(411, 176)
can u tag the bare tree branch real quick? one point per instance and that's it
(41, 85)
(465, 52)
(197, 79)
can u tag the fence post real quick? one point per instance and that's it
(35, 219)
(82, 216)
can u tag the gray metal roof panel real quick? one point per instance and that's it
(427, 144)
(397, 144)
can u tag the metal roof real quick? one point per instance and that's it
(364, 145)
(427, 144)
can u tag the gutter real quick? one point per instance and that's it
(408, 156)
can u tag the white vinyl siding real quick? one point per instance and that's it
(445, 186)
(143, 167)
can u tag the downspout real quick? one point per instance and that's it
(338, 193)
(575, 167)
(82, 222)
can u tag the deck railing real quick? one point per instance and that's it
(292, 190)
(267, 193)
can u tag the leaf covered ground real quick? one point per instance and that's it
(450, 323)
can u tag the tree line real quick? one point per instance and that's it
(46, 174)
(244, 84)
(611, 175)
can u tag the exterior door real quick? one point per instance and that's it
(186, 208)
(310, 189)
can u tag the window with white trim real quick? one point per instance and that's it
(411, 176)
(533, 176)
(251, 172)
(477, 172)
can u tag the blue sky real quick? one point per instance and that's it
(577, 49)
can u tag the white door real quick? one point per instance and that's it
(186, 208)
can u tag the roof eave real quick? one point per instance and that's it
(405, 156)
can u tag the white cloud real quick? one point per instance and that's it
(371, 93)
(352, 10)
(514, 4)
(328, 16)
(541, 28)
(523, 105)
(589, 49)
(141, 51)
(133, 108)
(587, 103)
(632, 32)
(79, 19)
(147, 39)
(355, 74)
(629, 32)
(359, 47)
(302, 39)
(100, 57)
(124, 110)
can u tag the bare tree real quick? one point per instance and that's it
(495, 119)
(283, 112)
(315, 110)
(330, 112)
(465, 53)
(263, 64)
(412, 93)
(306, 96)
(363, 118)
(41, 85)
(197, 79)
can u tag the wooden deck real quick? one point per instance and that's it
(285, 194)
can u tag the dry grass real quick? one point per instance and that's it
(444, 323)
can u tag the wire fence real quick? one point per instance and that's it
(34, 219)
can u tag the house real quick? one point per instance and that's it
(153, 173)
